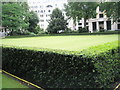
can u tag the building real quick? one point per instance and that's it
(43, 10)
(94, 24)
(100, 22)
(3, 32)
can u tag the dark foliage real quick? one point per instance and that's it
(54, 70)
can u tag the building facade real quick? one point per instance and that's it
(44, 10)
(101, 22)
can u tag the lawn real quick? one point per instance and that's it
(8, 82)
(71, 43)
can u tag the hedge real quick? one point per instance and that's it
(64, 34)
(94, 33)
(96, 67)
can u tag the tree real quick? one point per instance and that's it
(13, 17)
(33, 21)
(57, 22)
(112, 9)
(78, 10)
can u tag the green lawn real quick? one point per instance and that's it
(72, 43)
(8, 82)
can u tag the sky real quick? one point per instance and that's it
(49, 1)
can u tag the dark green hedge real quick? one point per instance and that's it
(86, 69)
(64, 34)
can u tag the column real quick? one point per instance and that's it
(82, 22)
(90, 27)
(97, 26)
(105, 25)
(113, 25)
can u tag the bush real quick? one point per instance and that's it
(31, 34)
(68, 30)
(81, 30)
(38, 30)
(95, 33)
(94, 67)
(106, 63)
(102, 30)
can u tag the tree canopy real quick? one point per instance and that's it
(57, 21)
(112, 9)
(18, 19)
(33, 21)
(78, 10)
(13, 17)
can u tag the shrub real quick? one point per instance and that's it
(38, 30)
(102, 30)
(31, 34)
(94, 67)
(68, 30)
(81, 30)
(95, 33)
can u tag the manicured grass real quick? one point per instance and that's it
(71, 43)
(8, 82)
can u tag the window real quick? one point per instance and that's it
(49, 6)
(118, 26)
(48, 10)
(94, 26)
(47, 15)
(41, 20)
(41, 11)
(79, 23)
(35, 7)
(119, 20)
(101, 15)
(38, 11)
(79, 28)
(41, 15)
(108, 25)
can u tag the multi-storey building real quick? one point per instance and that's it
(44, 10)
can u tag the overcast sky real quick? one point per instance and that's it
(49, 1)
